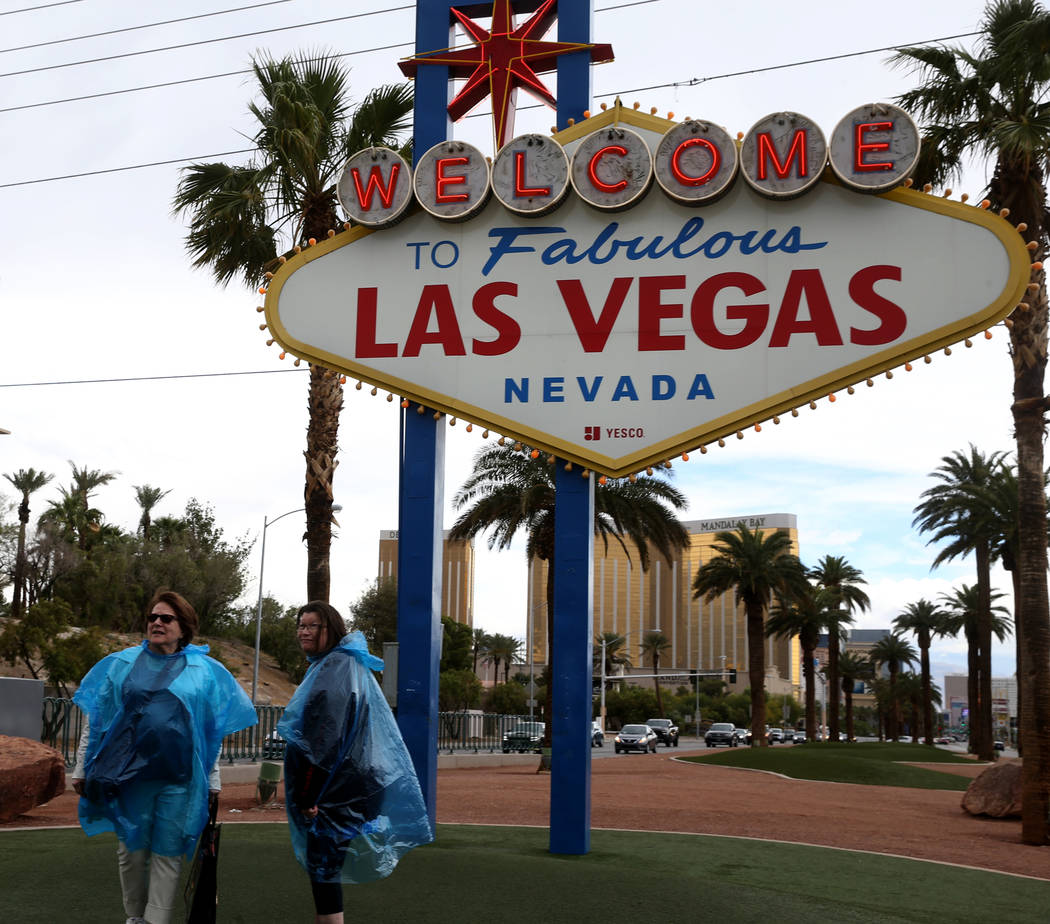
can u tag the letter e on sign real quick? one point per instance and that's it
(375, 187)
(452, 181)
(874, 148)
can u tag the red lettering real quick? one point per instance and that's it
(436, 300)
(681, 175)
(375, 184)
(592, 169)
(365, 345)
(592, 333)
(805, 283)
(767, 152)
(861, 147)
(486, 310)
(441, 180)
(702, 311)
(522, 191)
(651, 311)
(892, 316)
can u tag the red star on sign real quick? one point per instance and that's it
(502, 59)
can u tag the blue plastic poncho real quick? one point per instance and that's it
(345, 755)
(156, 724)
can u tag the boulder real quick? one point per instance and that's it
(996, 791)
(31, 774)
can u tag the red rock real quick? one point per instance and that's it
(31, 774)
(996, 792)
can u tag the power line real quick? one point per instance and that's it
(33, 9)
(211, 41)
(691, 82)
(150, 25)
(147, 378)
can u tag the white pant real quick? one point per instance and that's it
(149, 883)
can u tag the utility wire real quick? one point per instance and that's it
(211, 41)
(147, 378)
(149, 25)
(691, 82)
(33, 9)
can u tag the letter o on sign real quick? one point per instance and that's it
(783, 155)
(696, 162)
(875, 147)
(452, 181)
(530, 175)
(375, 187)
(612, 169)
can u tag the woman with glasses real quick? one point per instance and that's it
(351, 792)
(156, 715)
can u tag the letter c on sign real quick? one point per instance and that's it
(592, 169)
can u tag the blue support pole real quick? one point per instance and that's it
(574, 71)
(570, 813)
(422, 474)
(422, 471)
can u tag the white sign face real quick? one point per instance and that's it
(620, 339)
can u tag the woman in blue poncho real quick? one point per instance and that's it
(351, 792)
(156, 717)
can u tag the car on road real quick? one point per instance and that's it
(1000, 745)
(789, 734)
(721, 733)
(597, 735)
(800, 737)
(665, 730)
(525, 736)
(635, 738)
(943, 740)
(776, 736)
(273, 746)
(743, 736)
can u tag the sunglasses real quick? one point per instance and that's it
(165, 618)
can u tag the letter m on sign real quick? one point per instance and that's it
(767, 153)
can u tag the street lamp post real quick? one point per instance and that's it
(258, 610)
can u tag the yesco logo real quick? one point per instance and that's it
(590, 434)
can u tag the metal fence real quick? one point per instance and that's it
(472, 731)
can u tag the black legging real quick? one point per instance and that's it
(328, 897)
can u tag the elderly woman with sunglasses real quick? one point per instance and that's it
(156, 717)
(352, 796)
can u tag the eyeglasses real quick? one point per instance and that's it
(165, 618)
(310, 629)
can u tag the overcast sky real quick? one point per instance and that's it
(95, 284)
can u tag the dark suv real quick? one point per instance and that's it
(665, 730)
(721, 733)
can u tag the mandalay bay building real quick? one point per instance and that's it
(704, 636)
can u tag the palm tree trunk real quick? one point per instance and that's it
(756, 672)
(984, 639)
(849, 715)
(1019, 651)
(927, 695)
(322, 445)
(656, 683)
(18, 594)
(811, 694)
(972, 693)
(834, 682)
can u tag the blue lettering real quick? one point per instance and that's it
(505, 243)
(552, 388)
(591, 393)
(701, 388)
(625, 389)
(663, 387)
(512, 390)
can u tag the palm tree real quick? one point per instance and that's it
(612, 644)
(893, 652)
(995, 101)
(26, 481)
(956, 510)
(241, 218)
(654, 644)
(147, 498)
(961, 615)
(479, 645)
(840, 579)
(85, 481)
(852, 667)
(926, 621)
(806, 616)
(511, 490)
(757, 565)
(503, 649)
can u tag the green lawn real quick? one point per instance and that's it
(872, 763)
(480, 874)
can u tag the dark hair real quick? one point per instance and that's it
(330, 620)
(184, 613)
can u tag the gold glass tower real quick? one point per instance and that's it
(457, 573)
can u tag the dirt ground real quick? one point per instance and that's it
(657, 793)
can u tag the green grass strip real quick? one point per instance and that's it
(869, 763)
(486, 874)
